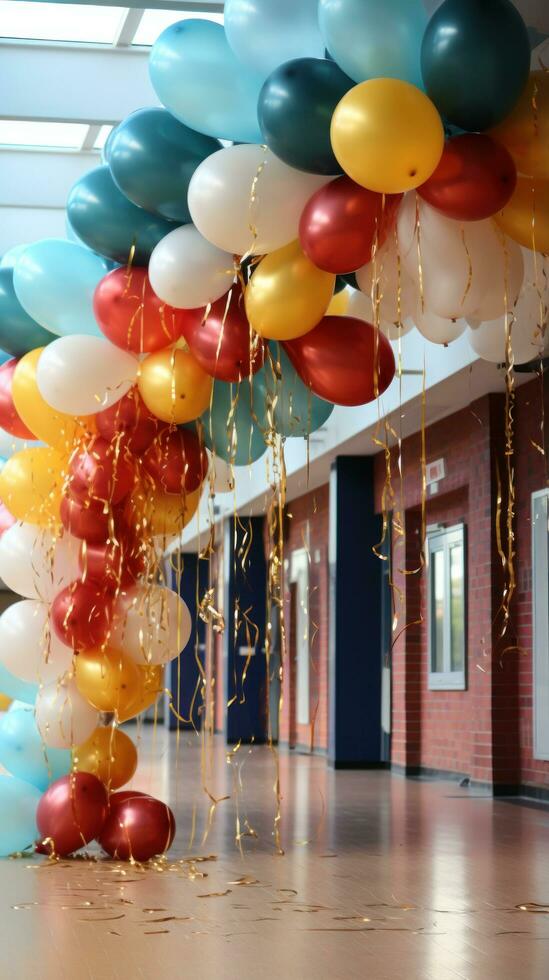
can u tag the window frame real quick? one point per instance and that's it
(540, 623)
(442, 539)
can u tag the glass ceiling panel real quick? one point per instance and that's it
(154, 22)
(53, 135)
(59, 21)
(102, 137)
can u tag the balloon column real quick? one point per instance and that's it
(191, 322)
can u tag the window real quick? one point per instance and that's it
(540, 596)
(299, 575)
(447, 608)
(42, 134)
(154, 22)
(76, 22)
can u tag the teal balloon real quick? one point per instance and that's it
(234, 437)
(18, 803)
(104, 219)
(10, 258)
(297, 411)
(19, 333)
(375, 38)
(18, 690)
(198, 78)
(475, 61)
(152, 157)
(4, 357)
(55, 280)
(23, 753)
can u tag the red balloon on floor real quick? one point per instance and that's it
(9, 418)
(176, 461)
(81, 615)
(129, 422)
(344, 360)
(71, 813)
(222, 342)
(138, 827)
(101, 471)
(475, 178)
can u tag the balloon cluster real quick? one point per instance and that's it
(383, 173)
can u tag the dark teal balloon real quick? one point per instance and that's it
(295, 110)
(110, 224)
(475, 61)
(152, 157)
(297, 411)
(19, 333)
(247, 443)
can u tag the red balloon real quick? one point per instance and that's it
(222, 342)
(7, 520)
(129, 422)
(176, 461)
(71, 813)
(341, 223)
(138, 827)
(101, 472)
(81, 615)
(9, 418)
(475, 178)
(344, 360)
(119, 563)
(86, 519)
(132, 316)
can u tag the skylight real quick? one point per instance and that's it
(59, 21)
(53, 135)
(154, 22)
(102, 137)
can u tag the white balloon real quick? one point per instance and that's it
(186, 271)
(360, 306)
(152, 625)
(244, 199)
(37, 564)
(223, 477)
(438, 329)
(63, 717)
(29, 649)
(396, 291)
(82, 375)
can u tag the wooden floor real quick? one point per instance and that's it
(383, 878)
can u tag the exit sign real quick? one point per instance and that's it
(435, 472)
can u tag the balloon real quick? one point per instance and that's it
(110, 224)
(88, 520)
(150, 685)
(339, 304)
(360, 307)
(265, 33)
(12, 687)
(132, 316)
(297, 412)
(223, 342)
(166, 514)
(109, 755)
(10, 258)
(7, 520)
(72, 812)
(197, 77)
(118, 564)
(437, 329)
(386, 282)
(287, 295)
(246, 201)
(475, 178)
(10, 420)
(151, 624)
(475, 60)
(152, 157)
(505, 281)
(342, 222)
(18, 801)
(387, 135)
(221, 475)
(101, 472)
(526, 217)
(229, 427)
(58, 430)
(187, 271)
(81, 615)
(63, 717)
(374, 39)
(36, 563)
(81, 375)
(23, 753)
(55, 280)
(525, 131)
(107, 678)
(137, 828)
(343, 360)
(27, 647)
(294, 110)
(176, 461)
(31, 484)
(19, 333)
(173, 386)
(129, 423)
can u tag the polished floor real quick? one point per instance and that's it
(382, 878)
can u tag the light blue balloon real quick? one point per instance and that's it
(232, 434)
(266, 33)
(23, 753)
(297, 411)
(55, 280)
(198, 78)
(16, 689)
(375, 38)
(4, 357)
(9, 258)
(18, 803)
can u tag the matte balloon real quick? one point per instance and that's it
(107, 678)
(343, 360)
(108, 754)
(31, 485)
(55, 281)
(99, 471)
(63, 717)
(475, 178)
(223, 342)
(475, 59)
(387, 135)
(197, 77)
(526, 217)
(151, 624)
(246, 201)
(18, 801)
(229, 427)
(187, 271)
(437, 329)
(72, 812)
(57, 429)
(129, 423)
(36, 563)
(525, 131)
(81, 615)
(137, 828)
(287, 295)
(19, 333)
(14, 688)
(360, 307)
(23, 753)
(176, 461)
(110, 224)
(265, 33)
(152, 157)
(297, 412)
(173, 386)
(374, 39)
(10, 420)
(27, 647)
(131, 315)
(81, 375)
(386, 284)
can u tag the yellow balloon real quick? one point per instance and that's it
(108, 754)
(31, 485)
(5, 702)
(526, 217)
(287, 295)
(169, 513)
(58, 430)
(339, 304)
(387, 135)
(151, 684)
(173, 385)
(108, 679)
(525, 132)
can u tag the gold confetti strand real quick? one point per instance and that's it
(469, 282)
(423, 462)
(417, 235)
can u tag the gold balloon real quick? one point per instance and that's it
(58, 430)
(339, 304)
(5, 702)
(525, 132)
(173, 385)
(287, 295)
(526, 217)
(108, 754)
(31, 485)
(108, 679)
(169, 512)
(151, 684)
(387, 135)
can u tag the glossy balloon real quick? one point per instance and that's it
(108, 679)
(176, 461)
(526, 217)
(88, 520)
(72, 812)
(265, 33)
(63, 717)
(18, 801)
(131, 315)
(10, 258)
(81, 615)
(115, 564)
(80, 375)
(168, 513)
(31, 485)
(7, 520)
(19, 333)
(187, 271)
(12, 687)
(99, 471)
(525, 131)
(27, 647)
(223, 342)
(57, 429)
(109, 755)
(36, 563)
(138, 827)
(229, 427)
(386, 282)
(10, 420)
(129, 423)
(173, 386)
(297, 412)
(151, 624)
(360, 307)
(437, 329)
(150, 686)
(23, 753)
(475, 178)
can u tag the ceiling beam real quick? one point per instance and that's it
(128, 26)
(202, 6)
